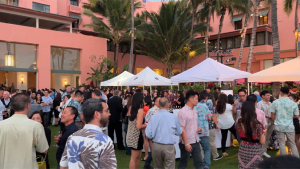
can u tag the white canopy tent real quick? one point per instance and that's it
(116, 80)
(209, 71)
(147, 77)
(287, 71)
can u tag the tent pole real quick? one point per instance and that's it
(220, 83)
(203, 85)
(171, 86)
(248, 89)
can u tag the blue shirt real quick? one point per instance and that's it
(47, 100)
(103, 97)
(64, 94)
(203, 114)
(78, 106)
(53, 95)
(162, 127)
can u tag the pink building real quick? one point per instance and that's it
(44, 43)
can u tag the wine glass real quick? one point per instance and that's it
(58, 134)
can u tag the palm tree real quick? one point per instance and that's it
(132, 35)
(194, 5)
(222, 7)
(253, 35)
(288, 7)
(276, 44)
(243, 31)
(118, 14)
(168, 32)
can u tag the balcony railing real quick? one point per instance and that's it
(75, 9)
(10, 2)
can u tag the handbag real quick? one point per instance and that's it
(41, 161)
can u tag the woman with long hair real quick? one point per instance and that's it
(126, 115)
(38, 98)
(134, 138)
(179, 99)
(147, 106)
(294, 98)
(56, 104)
(231, 102)
(38, 117)
(225, 120)
(252, 135)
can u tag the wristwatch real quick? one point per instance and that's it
(187, 144)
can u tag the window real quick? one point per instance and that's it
(263, 19)
(237, 41)
(75, 24)
(270, 40)
(238, 24)
(223, 44)
(74, 2)
(203, 33)
(269, 63)
(211, 45)
(21, 55)
(229, 43)
(10, 2)
(260, 38)
(65, 59)
(247, 41)
(40, 7)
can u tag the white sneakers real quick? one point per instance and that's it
(266, 155)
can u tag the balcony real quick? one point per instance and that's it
(75, 9)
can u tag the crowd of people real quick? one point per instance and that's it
(89, 120)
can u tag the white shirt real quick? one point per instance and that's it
(2, 107)
(225, 119)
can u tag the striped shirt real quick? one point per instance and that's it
(266, 108)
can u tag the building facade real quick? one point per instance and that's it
(44, 44)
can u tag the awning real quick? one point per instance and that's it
(264, 12)
(76, 17)
(237, 18)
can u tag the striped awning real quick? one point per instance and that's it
(76, 17)
(265, 12)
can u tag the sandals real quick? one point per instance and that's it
(225, 154)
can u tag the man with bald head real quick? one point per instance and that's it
(161, 129)
(6, 103)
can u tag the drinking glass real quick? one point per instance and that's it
(58, 134)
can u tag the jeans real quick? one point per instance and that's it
(185, 155)
(224, 137)
(149, 159)
(46, 118)
(204, 141)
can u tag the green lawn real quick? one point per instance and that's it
(229, 162)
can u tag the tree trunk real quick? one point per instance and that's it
(223, 11)
(207, 30)
(276, 44)
(133, 65)
(132, 35)
(296, 28)
(191, 34)
(244, 35)
(116, 57)
(169, 70)
(253, 36)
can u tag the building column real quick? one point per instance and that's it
(43, 66)
(37, 22)
(71, 28)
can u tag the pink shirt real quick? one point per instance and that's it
(187, 117)
(261, 117)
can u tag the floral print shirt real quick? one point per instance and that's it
(203, 114)
(89, 148)
(151, 112)
(284, 110)
(211, 108)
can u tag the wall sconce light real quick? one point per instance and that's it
(9, 57)
(65, 82)
(22, 79)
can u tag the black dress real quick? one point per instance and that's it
(48, 137)
(181, 100)
(55, 104)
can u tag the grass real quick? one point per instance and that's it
(229, 162)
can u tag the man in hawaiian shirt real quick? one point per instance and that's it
(149, 114)
(283, 111)
(203, 116)
(89, 147)
(212, 123)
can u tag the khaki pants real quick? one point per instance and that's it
(291, 140)
(162, 153)
(79, 124)
(213, 147)
(270, 129)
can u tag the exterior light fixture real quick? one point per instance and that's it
(65, 82)
(9, 57)
(22, 80)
